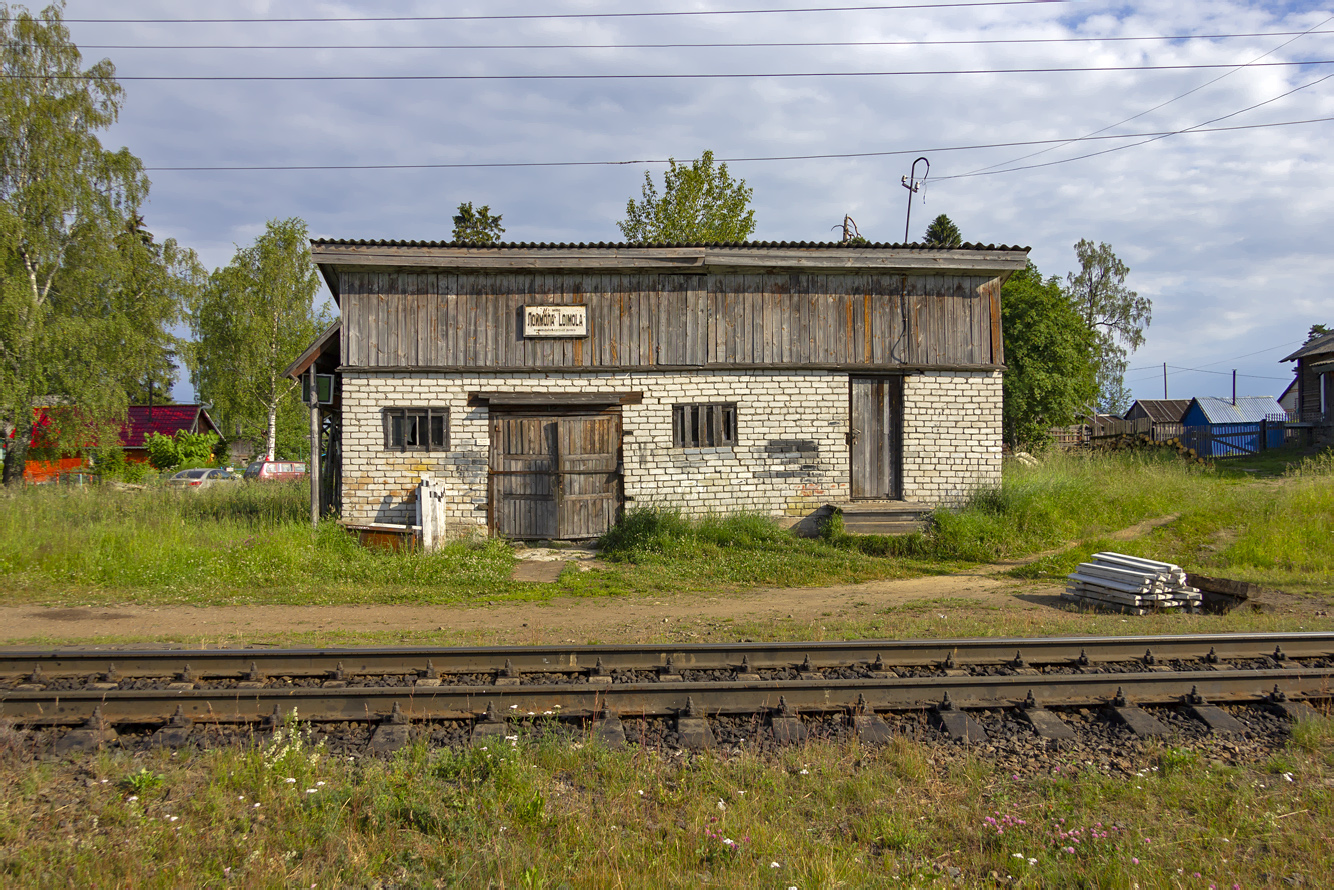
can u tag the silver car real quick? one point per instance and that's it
(203, 477)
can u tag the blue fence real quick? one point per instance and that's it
(1234, 439)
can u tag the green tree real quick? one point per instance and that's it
(699, 203)
(84, 300)
(1116, 315)
(942, 233)
(1050, 358)
(255, 316)
(1317, 330)
(477, 226)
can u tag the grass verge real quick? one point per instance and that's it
(548, 813)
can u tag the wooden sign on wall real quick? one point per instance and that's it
(555, 321)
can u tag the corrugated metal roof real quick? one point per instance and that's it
(163, 419)
(1249, 409)
(1323, 343)
(1163, 410)
(624, 245)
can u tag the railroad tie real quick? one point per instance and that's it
(1219, 721)
(1046, 724)
(94, 734)
(175, 733)
(786, 724)
(610, 731)
(392, 733)
(1279, 703)
(956, 723)
(693, 728)
(491, 727)
(871, 728)
(1138, 720)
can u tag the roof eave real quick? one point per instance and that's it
(990, 260)
(313, 351)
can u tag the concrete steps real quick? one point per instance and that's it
(883, 517)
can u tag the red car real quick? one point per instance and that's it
(275, 471)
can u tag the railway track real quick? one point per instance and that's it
(484, 689)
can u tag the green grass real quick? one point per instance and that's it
(253, 544)
(541, 811)
(1278, 532)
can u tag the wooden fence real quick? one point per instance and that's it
(1216, 440)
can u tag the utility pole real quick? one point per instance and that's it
(912, 184)
(1234, 387)
(1164, 380)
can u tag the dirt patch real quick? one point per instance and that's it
(79, 615)
(559, 620)
(544, 572)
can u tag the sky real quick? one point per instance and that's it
(1228, 232)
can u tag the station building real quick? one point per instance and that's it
(547, 387)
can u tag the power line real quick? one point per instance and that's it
(764, 45)
(677, 76)
(1195, 129)
(1224, 373)
(1251, 63)
(731, 160)
(568, 15)
(1221, 360)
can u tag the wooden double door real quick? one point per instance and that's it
(875, 437)
(555, 475)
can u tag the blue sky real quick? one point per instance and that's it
(1227, 232)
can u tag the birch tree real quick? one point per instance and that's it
(252, 320)
(82, 296)
(1115, 313)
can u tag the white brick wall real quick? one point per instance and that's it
(791, 454)
(951, 435)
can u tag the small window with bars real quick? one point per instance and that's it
(704, 426)
(416, 429)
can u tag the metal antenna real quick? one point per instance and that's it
(912, 184)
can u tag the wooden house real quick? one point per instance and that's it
(546, 387)
(1315, 380)
(1158, 410)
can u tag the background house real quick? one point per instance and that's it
(141, 422)
(1218, 427)
(1315, 380)
(1158, 410)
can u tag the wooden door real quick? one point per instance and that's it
(876, 437)
(555, 476)
(523, 476)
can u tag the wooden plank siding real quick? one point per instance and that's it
(474, 320)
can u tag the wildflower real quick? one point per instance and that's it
(318, 784)
(1134, 861)
(173, 818)
(774, 865)
(132, 798)
(256, 806)
(514, 707)
(1072, 850)
(290, 781)
(728, 842)
(1017, 855)
(1287, 776)
(1032, 862)
(311, 790)
(641, 792)
(721, 805)
(240, 797)
(805, 772)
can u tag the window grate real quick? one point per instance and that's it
(710, 425)
(416, 429)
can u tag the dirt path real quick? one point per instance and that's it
(560, 620)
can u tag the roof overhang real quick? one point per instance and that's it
(991, 261)
(324, 342)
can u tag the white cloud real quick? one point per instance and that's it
(1228, 232)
